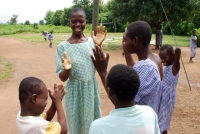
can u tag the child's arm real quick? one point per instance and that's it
(51, 112)
(129, 60)
(101, 62)
(176, 64)
(66, 63)
(56, 98)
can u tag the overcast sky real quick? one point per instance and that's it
(32, 10)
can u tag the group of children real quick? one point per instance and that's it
(143, 93)
(49, 36)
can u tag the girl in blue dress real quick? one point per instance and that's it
(171, 62)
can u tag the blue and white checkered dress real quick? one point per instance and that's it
(82, 102)
(168, 98)
(150, 84)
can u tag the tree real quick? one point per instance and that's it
(27, 22)
(151, 11)
(95, 15)
(64, 18)
(196, 20)
(87, 6)
(41, 22)
(13, 19)
(56, 19)
(48, 17)
(84, 3)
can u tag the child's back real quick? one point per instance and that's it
(156, 59)
(149, 91)
(137, 119)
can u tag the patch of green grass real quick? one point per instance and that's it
(6, 70)
(112, 41)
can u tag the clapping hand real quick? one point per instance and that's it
(66, 63)
(58, 93)
(100, 35)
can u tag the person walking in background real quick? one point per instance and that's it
(193, 45)
(45, 33)
(50, 37)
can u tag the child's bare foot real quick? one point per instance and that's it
(190, 61)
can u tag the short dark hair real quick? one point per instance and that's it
(28, 86)
(140, 29)
(124, 81)
(168, 47)
(76, 9)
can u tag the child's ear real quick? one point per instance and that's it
(110, 92)
(34, 98)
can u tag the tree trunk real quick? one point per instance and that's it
(95, 15)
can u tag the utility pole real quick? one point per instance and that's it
(95, 15)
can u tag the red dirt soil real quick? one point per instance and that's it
(34, 59)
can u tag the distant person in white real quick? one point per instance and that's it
(122, 84)
(193, 45)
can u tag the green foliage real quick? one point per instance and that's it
(41, 22)
(13, 19)
(6, 29)
(198, 36)
(196, 20)
(56, 20)
(64, 18)
(27, 22)
(49, 17)
(150, 10)
(183, 28)
(35, 25)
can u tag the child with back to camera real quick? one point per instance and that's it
(32, 119)
(171, 61)
(82, 103)
(122, 84)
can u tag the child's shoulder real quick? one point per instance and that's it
(148, 62)
(63, 43)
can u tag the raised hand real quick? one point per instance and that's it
(100, 35)
(99, 60)
(66, 63)
(58, 92)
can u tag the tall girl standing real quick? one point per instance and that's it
(171, 62)
(82, 102)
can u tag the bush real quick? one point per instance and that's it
(198, 36)
(35, 25)
(6, 29)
